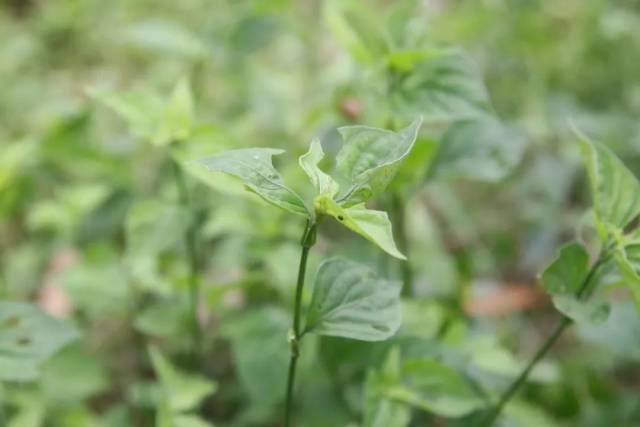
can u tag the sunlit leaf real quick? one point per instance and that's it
(322, 182)
(350, 300)
(255, 168)
(370, 224)
(28, 337)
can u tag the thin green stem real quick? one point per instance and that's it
(544, 349)
(400, 228)
(192, 256)
(308, 240)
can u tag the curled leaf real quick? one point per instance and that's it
(321, 181)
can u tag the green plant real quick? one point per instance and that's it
(348, 300)
(576, 286)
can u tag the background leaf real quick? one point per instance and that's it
(481, 148)
(615, 190)
(28, 337)
(440, 88)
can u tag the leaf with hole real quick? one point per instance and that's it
(28, 337)
(370, 224)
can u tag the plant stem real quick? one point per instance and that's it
(400, 226)
(544, 349)
(308, 240)
(192, 256)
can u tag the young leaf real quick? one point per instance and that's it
(441, 88)
(564, 278)
(480, 148)
(28, 337)
(372, 225)
(255, 168)
(370, 158)
(349, 300)
(615, 190)
(323, 183)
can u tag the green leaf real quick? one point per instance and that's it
(259, 349)
(139, 109)
(441, 87)
(595, 310)
(615, 190)
(567, 272)
(182, 391)
(323, 183)
(380, 410)
(627, 258)
(152, 118)
(28, 337)
(370, 224)
(178, 117)
(422, 383)
(564, 278)
(370, 158)
(479, 148)
(255, 168)
(349, 300)
(354, 27)
(432, 386)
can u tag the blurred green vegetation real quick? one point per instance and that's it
(102, 103)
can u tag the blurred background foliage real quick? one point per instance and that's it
(99, 98)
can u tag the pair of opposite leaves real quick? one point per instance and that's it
(365, 165)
